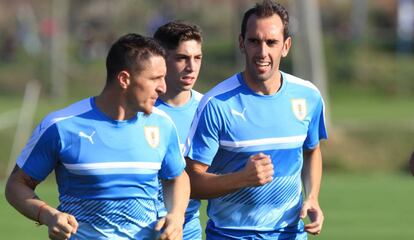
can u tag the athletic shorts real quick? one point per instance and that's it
(213, 233)
(192, 229)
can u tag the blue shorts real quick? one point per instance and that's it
(87, 231)
(214, 233)
(192, 229)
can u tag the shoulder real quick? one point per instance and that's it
(161, 119)
(160, 115)
(225, 86)
(302, 85)
(222, 89)
(196, 95)
(71, 111)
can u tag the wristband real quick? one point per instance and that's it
(38, 214)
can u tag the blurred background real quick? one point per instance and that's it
(360, 53)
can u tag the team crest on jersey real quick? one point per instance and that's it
(299, 108)
(152, 135)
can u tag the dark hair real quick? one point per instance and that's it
(128, 52)
(267, 9)
(171, 34)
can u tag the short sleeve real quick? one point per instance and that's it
(173, 163)
(317, 128)
(40, 155)
(203, 140)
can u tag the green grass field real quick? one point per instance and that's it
(356, 206)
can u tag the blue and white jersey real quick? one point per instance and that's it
(106, 170)
(232, 123)
(182, 116)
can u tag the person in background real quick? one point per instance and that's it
(183, 43)
(107, 153)
(255, 138)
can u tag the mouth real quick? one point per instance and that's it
(153, 100)
(187, 80)
(262, 65)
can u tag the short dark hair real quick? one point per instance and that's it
(128, 52)
(171, 34)
(267, 9)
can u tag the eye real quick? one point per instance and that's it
(271, 42)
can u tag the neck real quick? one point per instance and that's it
(114, 106)
(264, 87)
(177, 99)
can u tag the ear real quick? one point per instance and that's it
(286, 46)
(124, 79)
(241, 43)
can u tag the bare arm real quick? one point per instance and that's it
(21, 195)
(176, 197)
(311, 177)
(257, 172)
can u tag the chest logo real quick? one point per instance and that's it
(240, 114)
(152, 135)
(299, 108)
(89, 137)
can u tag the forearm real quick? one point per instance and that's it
(177, 194)
(258, 171)
(21, 195)
(312, 172)
(208, 185)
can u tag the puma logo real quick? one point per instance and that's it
(240, 114)
(89, 137)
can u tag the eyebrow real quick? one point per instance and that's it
(185, 55)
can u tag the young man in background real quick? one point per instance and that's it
(183, 42)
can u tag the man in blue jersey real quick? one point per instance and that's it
(255, 137)
(182, 42)
(107, 153)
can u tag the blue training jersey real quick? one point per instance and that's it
(182, 116)
(232, 123)
(106, 170)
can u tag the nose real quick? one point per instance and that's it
(263, 49)
(161, 87)
(190, 65)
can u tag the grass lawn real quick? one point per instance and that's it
(367, 207)
(375, 206)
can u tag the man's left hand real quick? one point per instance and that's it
(172, 226)
(311, 208)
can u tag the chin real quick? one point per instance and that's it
(148, 111)
(265, 76)
(187, 88)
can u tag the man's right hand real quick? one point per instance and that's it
(61, 225)
(258, 170)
